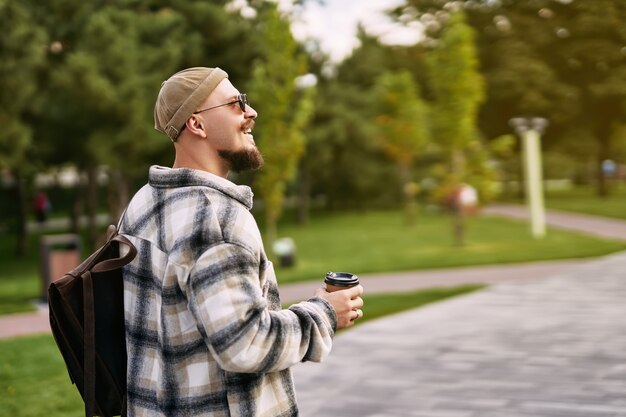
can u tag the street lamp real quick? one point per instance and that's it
(530, 130)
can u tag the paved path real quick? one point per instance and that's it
(585, 223)
(553, 347)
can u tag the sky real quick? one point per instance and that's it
(334, 24)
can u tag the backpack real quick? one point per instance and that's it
(87, 320)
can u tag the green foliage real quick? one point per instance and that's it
(458, 90)
(23, 51)
(81, 77)
(110, 93)
(343, 157)
(402, 128)
(402, 119)
(560, 60)
(284, 111)
(456, 85)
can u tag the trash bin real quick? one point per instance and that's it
(58, 254)
(285, 249)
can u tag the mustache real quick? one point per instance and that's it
(248, 124)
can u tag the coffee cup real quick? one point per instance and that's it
(336, 281)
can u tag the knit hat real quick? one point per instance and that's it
(180, 96)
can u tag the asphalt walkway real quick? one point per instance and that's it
(554, 347)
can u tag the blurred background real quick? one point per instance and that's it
(371, 106)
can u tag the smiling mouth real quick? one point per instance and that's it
(247, 127)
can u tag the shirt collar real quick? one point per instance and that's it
(164, 177)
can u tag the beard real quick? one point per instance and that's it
(243, 160)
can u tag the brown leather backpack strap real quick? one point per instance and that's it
(89, 323)
(110, 264)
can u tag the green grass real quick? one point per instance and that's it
(362, 243)
(380, 305)
(35, 383)
(380, 242)
(19, 277)
(585, 200)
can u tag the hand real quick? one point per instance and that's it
(347, 304)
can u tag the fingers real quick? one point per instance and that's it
(355, 291)
(346, 303)
(356, 303)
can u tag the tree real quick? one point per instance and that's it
(345, 166)
(101, 78)
(457, 89)
(402, 128)
(284, 112)
(101, 97)
(22, 54)
(563, 60)
(592, 58)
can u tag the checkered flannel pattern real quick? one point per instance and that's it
(205, 332)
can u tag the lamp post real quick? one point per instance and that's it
(530, 130)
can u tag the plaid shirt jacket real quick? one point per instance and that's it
(205, 332)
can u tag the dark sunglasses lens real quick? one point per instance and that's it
(243, 100)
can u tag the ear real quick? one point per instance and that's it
(195, 125)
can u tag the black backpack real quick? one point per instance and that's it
(87, 320)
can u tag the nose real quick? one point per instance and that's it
(250, 113)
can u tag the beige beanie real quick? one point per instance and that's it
(180, 96)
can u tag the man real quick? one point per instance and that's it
(205, 331)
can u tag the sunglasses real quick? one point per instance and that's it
(242, 99)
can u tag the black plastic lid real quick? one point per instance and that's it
(341, 279)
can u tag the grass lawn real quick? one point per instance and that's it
(363, 243)
(35, 383)
(380, 242)
(585, 200)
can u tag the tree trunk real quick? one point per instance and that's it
(458, 171)
(21, 249)
(603, 131)
(410, 193)
(118, 195)
(458, 220)
(92, 206)
(271, 230)
(602, 190)
(304, 196)
(602, 183)
(77, 205)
